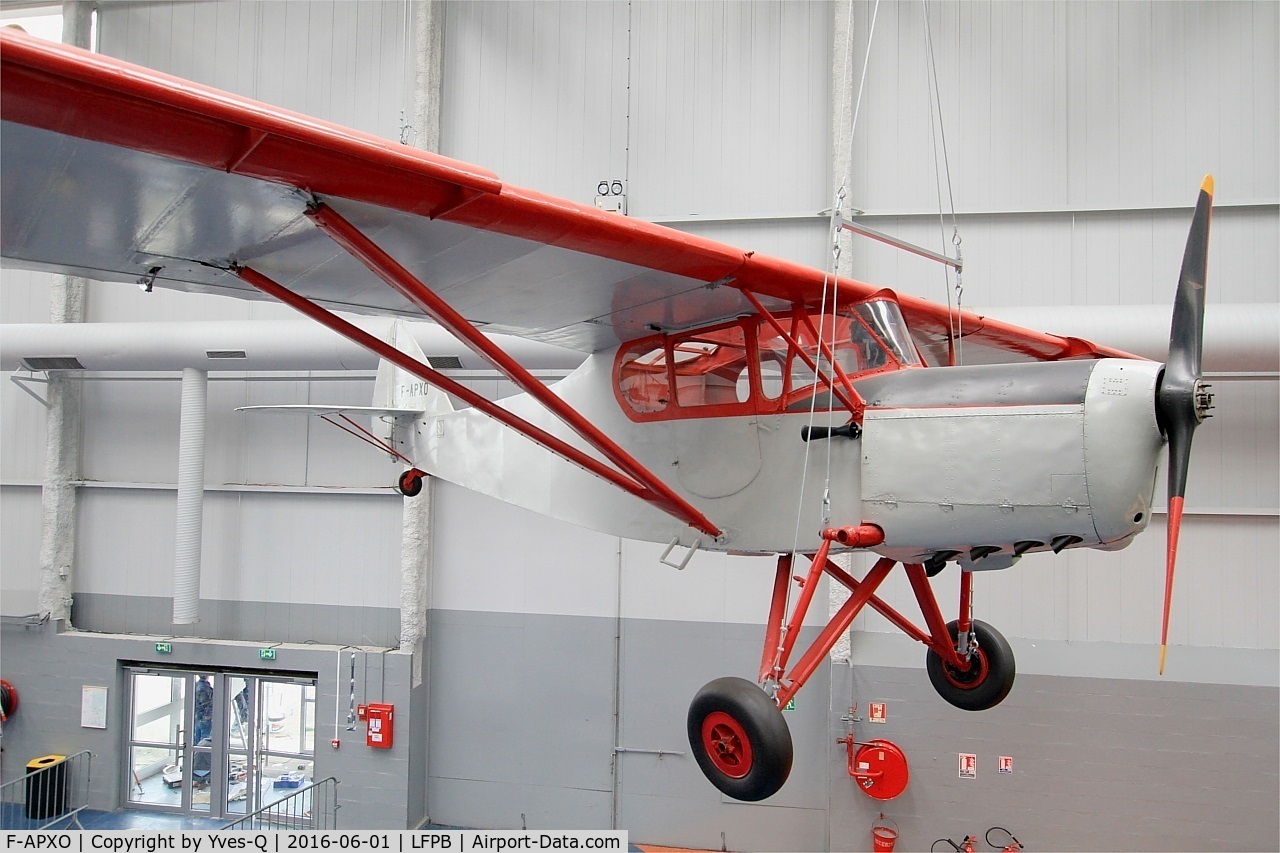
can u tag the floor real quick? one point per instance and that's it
(164, 822)
(13, 818)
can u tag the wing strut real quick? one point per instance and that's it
(635, 478)
(845, 391)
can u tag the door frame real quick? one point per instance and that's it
(223, 749)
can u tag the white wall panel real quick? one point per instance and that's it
(537, 92)
(20, 513)
(125, 542)
(22, 428)
(289, 548)
(723, 109)
(1224, 595)
(346, 62)
(321, 549)
(25, 296)
(130, 431)
(1068, 104)
(492, 557)
(804, 241)
(1111, 258)
(730, 108)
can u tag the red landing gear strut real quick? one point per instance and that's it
(736, 729)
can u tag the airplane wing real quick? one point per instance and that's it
(117, 172)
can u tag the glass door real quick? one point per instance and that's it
(175, 757)
(217, 744)
(158, 739)
(285, 751)
(204, 780)
(241, 741)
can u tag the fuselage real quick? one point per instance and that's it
(997, 458)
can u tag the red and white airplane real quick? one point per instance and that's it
(726, 394)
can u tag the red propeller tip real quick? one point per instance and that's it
(1175, 528)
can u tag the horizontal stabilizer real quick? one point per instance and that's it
(375, 411)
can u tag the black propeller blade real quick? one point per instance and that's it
(1183, 400)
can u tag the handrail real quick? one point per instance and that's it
(44, 797)
(310, 808)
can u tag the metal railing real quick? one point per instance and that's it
(51, 795)
(309, 808)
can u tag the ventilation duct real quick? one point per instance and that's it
(188, 541)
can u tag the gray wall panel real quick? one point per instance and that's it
(472, 803)
(1049, 107)
(1098, 763)
(522, 723)
(256, 621)
(49, 668)
(523, 700)
(732, 826)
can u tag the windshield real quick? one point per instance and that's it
(885, 319)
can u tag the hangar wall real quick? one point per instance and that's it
(718, 118)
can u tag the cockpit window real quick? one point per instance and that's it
(643, 380)
(748, 367)
(711, 367)
(884, 318)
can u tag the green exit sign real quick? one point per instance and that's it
(791, 705)
(164, 648)
(267, 654)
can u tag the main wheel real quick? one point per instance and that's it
(410, 482)
(989, 677)
(740, 739)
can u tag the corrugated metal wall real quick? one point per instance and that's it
(347, 62)
(1075, 131)
(1077, 135)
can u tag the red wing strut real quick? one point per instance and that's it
(638, 481)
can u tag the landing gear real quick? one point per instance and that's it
(739, 738)
(736, 729)
(410, 482)
(989, 677)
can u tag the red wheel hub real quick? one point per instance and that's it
(973, 676)
(727, 744)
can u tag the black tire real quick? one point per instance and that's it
(988, 680)
(740, 739)
(410, 483)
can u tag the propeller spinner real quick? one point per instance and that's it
(1183, 399)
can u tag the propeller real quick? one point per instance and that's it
(1183, 400)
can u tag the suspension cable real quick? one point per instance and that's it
(937, 130)
(830, 286)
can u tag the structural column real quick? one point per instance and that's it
(846, 69)
(62, 420)
(415, 548)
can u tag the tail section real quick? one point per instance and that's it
(396, 388)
